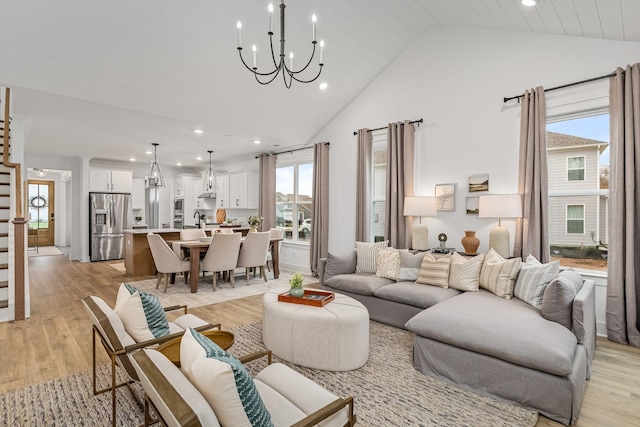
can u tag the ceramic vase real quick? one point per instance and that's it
(470, 243)
(296, 292)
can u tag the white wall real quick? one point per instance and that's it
(455, 80)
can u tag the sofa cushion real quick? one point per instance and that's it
(498, 274)
(510, 330)
(557, 300)
(363, 284)
(464, 274)
(142, 313)
(434, 271)
(388, 263)
(223, 381)
(533, 279)
(409, 265)
(415, 294)
(340, 263)
(366, 254)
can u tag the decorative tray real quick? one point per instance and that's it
(310, 297)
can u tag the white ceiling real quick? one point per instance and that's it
(105, 78)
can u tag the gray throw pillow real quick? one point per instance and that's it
(409, 265)
(557, 300)
(340, 263)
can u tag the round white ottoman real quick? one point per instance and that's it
(333, 338)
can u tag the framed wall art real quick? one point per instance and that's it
(473, 205)
(446, 197)
(479, 182)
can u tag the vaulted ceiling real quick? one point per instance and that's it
(105, 78)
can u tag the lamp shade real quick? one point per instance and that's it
(420, 206)
(500, 206)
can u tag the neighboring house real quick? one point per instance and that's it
(284, 208)
(578, 205)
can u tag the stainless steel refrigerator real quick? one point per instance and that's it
(109, 215)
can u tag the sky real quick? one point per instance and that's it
(593, 127)
(284, 179)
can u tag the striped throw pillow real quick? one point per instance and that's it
(141, 313)
(366, 254)
(435, 271)
(465, 273)
(533, 280)
(498, 274)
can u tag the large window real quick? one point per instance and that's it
(294, 207)
(578, 163)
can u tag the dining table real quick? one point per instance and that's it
(196, 248)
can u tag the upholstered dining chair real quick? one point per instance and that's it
(222, 255)
(187, 235)
(253, 253)
(276, 233)
(166, 261)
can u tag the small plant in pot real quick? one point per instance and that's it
(255, 221)
(295, 283)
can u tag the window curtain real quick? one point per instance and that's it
(400, 149)
(532, 230)
(623, 283)
(363, 186)
(267, 199)
(320, 217)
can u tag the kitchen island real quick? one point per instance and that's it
(138, 260)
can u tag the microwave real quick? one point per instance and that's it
(178, 205)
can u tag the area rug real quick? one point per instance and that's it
(118, 266)
(387, 391)
(44, 251)
(180, 294)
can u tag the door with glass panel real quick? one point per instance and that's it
(40, 205)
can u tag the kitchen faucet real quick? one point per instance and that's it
(196, 215)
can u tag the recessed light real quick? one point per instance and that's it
(132, 159)
(198, 158)
(198, 131)
(178, 164)
(529, 2)
(148, 152)
(323, 85)
(257, 141)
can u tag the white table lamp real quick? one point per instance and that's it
(420, 206)
(500, 206)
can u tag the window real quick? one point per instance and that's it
(575, 219)
(379, 193)
(578, 164)
(294, 204)
(575, 168)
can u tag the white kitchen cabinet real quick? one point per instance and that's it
(178, 186)
(222, 196)
(243, 190)
(137, 193)
(110, 181)
(202, 203)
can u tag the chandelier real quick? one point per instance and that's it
(155, 178)
(209, 177)
(288, 72)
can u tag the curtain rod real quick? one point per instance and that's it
(505, 99)
(385, 127)
(295, 149)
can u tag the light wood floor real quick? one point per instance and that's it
(56, 340)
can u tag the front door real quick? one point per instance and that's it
(40, 201)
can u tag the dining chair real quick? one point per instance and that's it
(276, 233)
(222, 256)
(188, 235)
(166, 260)
(253, 253)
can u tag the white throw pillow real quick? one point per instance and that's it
(498, 274)
(141, 313)
(366, 254)
(533, 279)
(388, 263)
(435, 271)
(465, 273)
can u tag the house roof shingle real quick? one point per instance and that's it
(561, 140)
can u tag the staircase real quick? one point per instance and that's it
(5, 197)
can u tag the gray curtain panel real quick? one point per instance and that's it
(267, 199)
(532, 230)
(363, 186)
(320, 216)
(400, 151)
(623, 283)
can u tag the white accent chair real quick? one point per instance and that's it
(253, 253)
(276, 233)
(222, 256)
(166, 260)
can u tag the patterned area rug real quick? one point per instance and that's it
(387, 391)
(180, 294)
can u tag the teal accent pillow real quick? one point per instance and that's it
(153, 311)
(251, 401)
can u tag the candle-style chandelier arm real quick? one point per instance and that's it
(307, 81)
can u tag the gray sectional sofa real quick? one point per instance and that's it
(498, 347)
